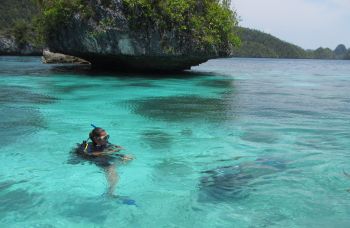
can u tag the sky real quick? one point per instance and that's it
(309, 24)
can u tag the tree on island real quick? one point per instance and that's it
(340, 51)
(347, 56)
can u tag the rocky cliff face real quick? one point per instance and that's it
(8, 46)
(108, 40)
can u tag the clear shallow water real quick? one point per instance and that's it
(235, 143)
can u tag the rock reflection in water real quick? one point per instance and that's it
(233, 182)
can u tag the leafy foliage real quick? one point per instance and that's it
(209, 22)
(22, 32)
(16, 19)
(323, 53)
(13, 10)
(56, 14)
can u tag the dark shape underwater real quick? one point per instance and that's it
(181, 108)
(234, 182)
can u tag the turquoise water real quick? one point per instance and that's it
(233, 143)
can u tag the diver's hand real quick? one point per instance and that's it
(127, 158)
(116, 147)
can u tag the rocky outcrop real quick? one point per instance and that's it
(8, 46)
(57, 58)
(109, 40)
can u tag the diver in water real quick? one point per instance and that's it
(103, 154)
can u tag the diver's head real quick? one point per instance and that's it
(99, 136)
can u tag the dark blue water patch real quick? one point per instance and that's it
(233, 182)
(217, 83)
(17, 123)
(17, 200)
(186, 132)
(10, 183)
(321, 142)
(22, 95)
(94, 209)
(259, 137)
(181, 108)
(273, 94)
(304, 113)
(346, 100)
(171, 168)
(70, 88)
(157, 139)
(142, 84)
(24, 66)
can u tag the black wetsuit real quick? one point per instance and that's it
(86, 149)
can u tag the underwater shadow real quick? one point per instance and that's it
(18, 200)
(181, 108)
(234, 182)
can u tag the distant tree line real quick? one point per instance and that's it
(256, 44)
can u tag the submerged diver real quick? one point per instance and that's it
(103, 154)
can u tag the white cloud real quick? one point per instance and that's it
(307, 23)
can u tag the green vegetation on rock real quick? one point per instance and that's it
(211, 23)
(57, 13)
(208, 24)
(16, 20)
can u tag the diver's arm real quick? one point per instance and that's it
(122, 156)
(116, 147)
(101, 153)
(97, 153)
